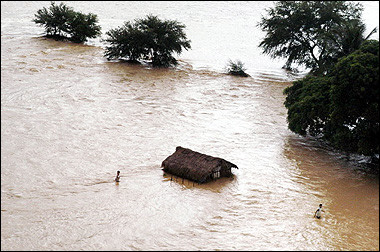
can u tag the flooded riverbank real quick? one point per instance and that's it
(70, 119)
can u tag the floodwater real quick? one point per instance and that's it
(70, 119)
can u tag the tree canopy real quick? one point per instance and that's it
(343, 106)
(149, 39)
(312, 33)
(355, 100)
(61, 21)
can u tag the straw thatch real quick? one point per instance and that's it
(196, 166)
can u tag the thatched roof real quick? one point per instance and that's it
(193, 165)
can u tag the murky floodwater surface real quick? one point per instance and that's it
(70, 119)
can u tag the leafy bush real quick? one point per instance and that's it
(147, 39)
(61, 21)
(54, 19)
(82, 26)
(236, 68)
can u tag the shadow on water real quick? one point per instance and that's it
(216, 185)
(59, 44)
(313, 154)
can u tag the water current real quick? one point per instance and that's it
(70, 119)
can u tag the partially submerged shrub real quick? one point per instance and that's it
(236, 68)
(149, 39)
(61, 21)
(83, 26)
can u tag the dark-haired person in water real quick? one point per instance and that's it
(319, 211)
(117, 179)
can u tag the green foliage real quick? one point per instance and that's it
(312, 33)
(82, 26)
(54, 19)
(355, 100)
(147, 39)
(61, 21)
(236, 68)
(127, 42)
(342, 107)
(308, 105)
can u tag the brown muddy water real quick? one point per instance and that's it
(70, 119)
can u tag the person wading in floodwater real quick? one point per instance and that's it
(117, 179)
(319, 211)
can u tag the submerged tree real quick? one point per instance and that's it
(61, 21)
(355, 101)
(313, 33)
(342, 107)
(308, 105)
(54, 19)
(147, 39)
(82, 26)
(236, 68)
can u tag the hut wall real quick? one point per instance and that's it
(226, 173)
(225, 170)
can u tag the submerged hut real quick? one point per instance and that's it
(196, 166)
